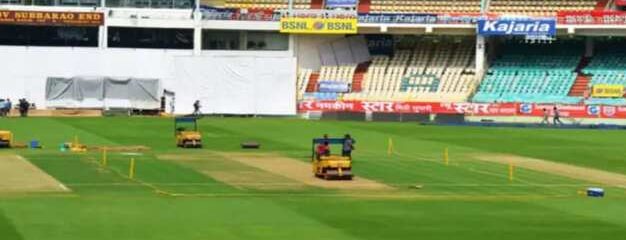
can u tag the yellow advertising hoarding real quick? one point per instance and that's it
(48, 18)
(318, 25)
(607, 90)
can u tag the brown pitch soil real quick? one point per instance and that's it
(561, 169)
(234, 174)
(17, 175)
(265, 171)
(300, 171)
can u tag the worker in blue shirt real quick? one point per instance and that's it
(348, 146)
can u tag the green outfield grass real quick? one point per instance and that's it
(467, 199)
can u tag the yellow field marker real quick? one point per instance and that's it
(104, 157)
(446, 158)
(131, 169)
(389, 147)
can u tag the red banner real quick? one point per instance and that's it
(463, 17)
(256, 14)
(592, 17)
(485, 109)
(470, 109)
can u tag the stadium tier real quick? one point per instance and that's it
(162, 4)
(425, 6)
(342, 74)
(431, 71)
(532, 73)
(304, 75)
(442, 70)
(427, 70)
(543, 8)
(608, 66)
(384, 77)
(535, 8)
(87, 3)
(233, 51)
(267, 4)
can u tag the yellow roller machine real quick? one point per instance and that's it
(6, 139)
(331, 166)
(187, 133)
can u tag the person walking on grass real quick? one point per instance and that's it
(3, 108)
(9, 105)
(557, 117)
(546, 117)
(196, 108)
(24, 106)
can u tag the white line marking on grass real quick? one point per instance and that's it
(398, 154)
(131, 154)
(286, 184)
(410, 196)
(63, 187)
(497, 175)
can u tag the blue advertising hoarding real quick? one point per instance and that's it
(333, 87)
(212, 13)
(341, 3)
(525, 27)
(397, 18)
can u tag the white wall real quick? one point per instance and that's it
(306, 49)
(23, 73)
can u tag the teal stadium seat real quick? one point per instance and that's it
(531, 74)
(608, 66)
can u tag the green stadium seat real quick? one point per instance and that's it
(531, 73)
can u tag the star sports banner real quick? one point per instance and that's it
(469, 109)
(409, 107)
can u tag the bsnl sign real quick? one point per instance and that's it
(525, 27)
(318, 25)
